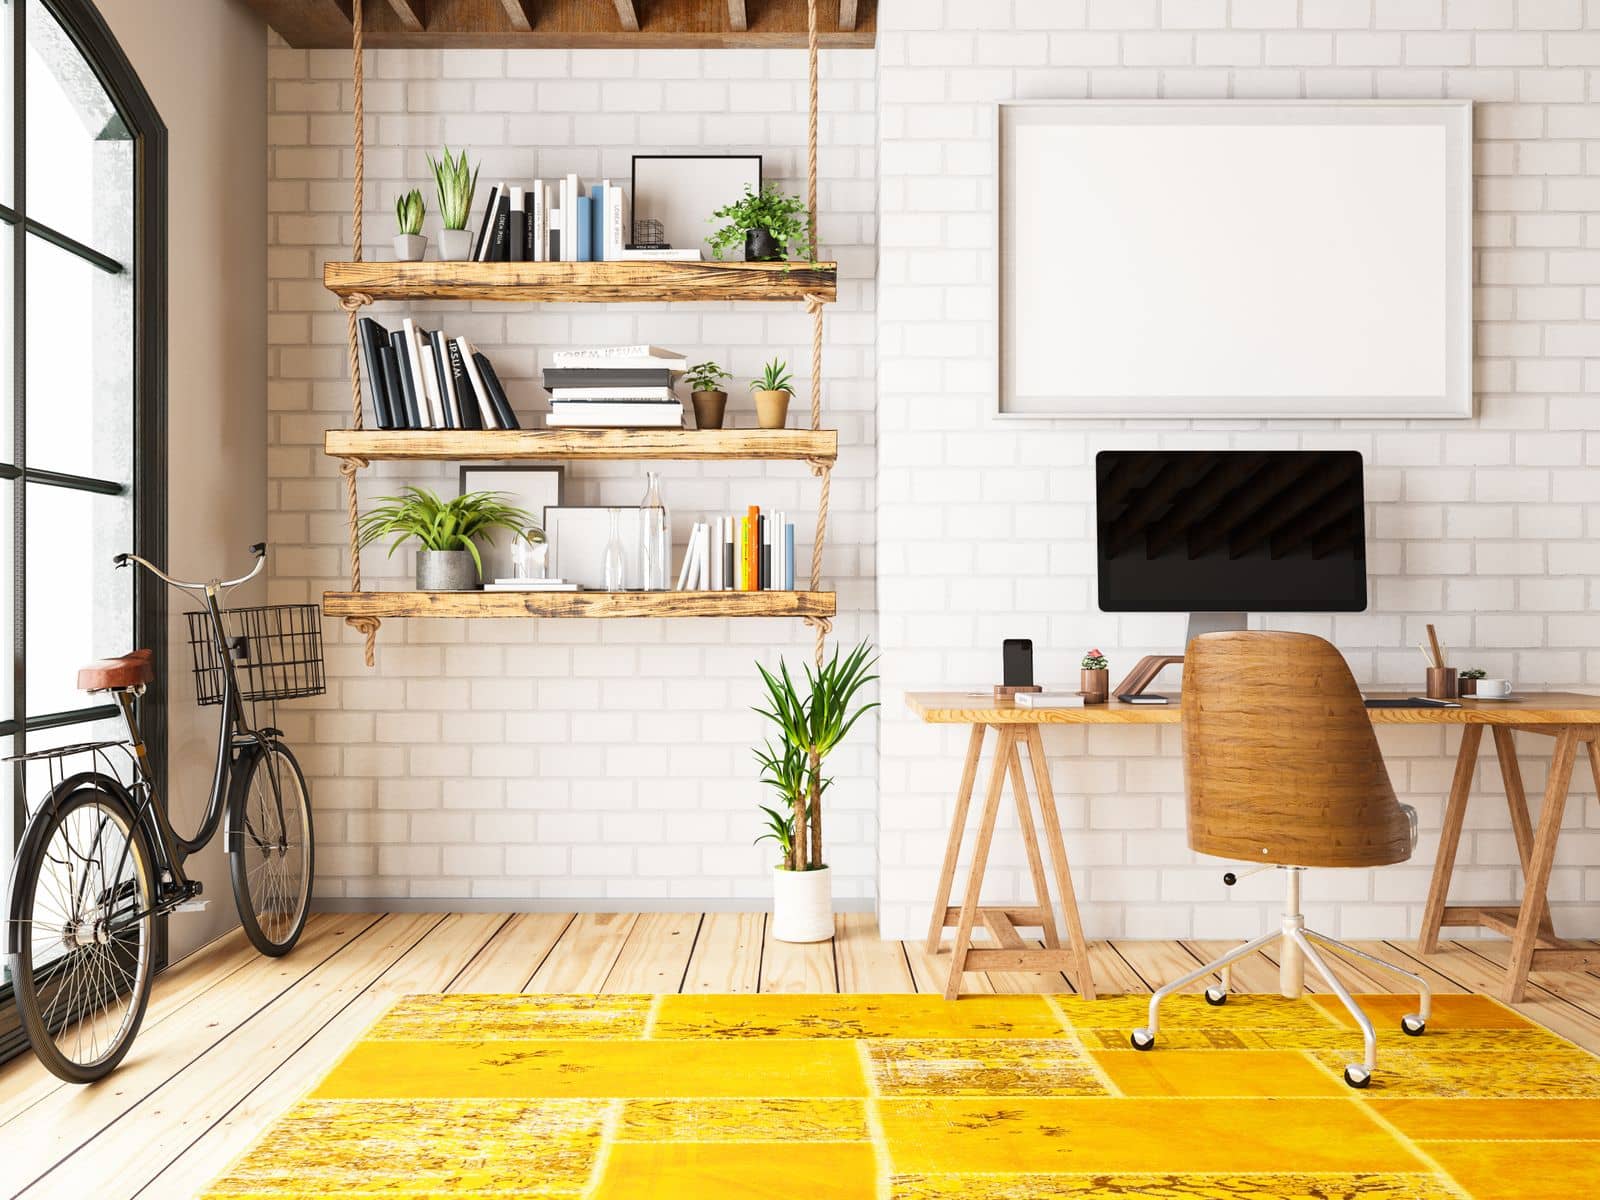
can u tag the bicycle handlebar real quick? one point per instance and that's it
(259, 550)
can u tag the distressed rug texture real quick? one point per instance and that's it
(915, 1098)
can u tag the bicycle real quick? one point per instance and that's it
(99, 860)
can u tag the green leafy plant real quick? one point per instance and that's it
(810, 725)
(1474, 673)
(456, 185)
(774, 377)
(409, 211)
(705, 377)
(439, 524)
(783, 217)
(1095, 661)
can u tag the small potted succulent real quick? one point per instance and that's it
(456, 184)
(409, 244)
(448, 558)
(770, 225)
(710, 401)
(772, 389)
(1094, 679)
(1469, 680)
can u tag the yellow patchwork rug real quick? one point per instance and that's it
(818, 1097)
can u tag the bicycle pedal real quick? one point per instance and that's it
(195, 905)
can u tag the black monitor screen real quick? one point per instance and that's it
(1230, 531)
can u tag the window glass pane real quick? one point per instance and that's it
(8, 21)
(80, 366)
(7, 358)
(8, 608)
(80, 607)
(80, 159)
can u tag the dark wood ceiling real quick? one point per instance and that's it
(611, 24)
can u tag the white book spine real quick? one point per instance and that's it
(688, 562)
(414, 344)
(569, 235)
(541, 242)
(613, 223)
(480, 394)
(704, 580)
(430, 384)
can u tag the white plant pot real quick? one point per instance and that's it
(409, 247)
(802, 905)
(455, 245)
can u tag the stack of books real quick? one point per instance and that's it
(416, 378)
(561, 222)
(749, 553)
(615, 387)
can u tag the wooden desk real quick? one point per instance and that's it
(1570, 718)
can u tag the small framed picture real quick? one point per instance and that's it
(679, 192)
(534, 488)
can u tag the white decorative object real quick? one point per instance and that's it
(1493, 689)
(1177, 259)
(410, 247)
(802, 905)
(578, 538)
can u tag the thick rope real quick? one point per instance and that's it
(814, 307)
(352, 305)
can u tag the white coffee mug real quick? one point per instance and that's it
(1494, 687)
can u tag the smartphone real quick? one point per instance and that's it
(1017, 662)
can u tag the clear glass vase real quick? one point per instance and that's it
(616, 561)
(653, 526)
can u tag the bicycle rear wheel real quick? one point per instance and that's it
(271, 853)
(86, 957)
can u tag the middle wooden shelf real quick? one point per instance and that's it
(374, 445)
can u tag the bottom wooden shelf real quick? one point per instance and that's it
(578, 604)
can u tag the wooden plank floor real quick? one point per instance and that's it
(232, 1039)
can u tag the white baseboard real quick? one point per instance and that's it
(475, 904)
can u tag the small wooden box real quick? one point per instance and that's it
(1003, 691)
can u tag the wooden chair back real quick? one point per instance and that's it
(1280, 761)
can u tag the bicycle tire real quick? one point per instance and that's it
(49, 998)
(262, 876)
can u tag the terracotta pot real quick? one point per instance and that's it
(1095, 686)
(772, 409)
(802, 905)
(708, 409)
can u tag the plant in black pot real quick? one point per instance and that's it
(446, 532)
(771, 226)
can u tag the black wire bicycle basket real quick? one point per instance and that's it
(276, 650)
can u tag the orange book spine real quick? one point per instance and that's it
(751, 571)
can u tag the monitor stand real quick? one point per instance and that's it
(1144, 674)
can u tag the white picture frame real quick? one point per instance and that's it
(1233, 259)
(683, 190)
(534, 488)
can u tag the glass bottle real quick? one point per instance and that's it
(653, 527)
(616, 562)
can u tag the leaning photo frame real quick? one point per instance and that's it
(533, 488)
(682, 191)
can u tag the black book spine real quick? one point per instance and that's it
(517, 234)
(371, 337)
(442, 379)
(728, 576)
(555, 245)
(763, 580)
(500, 250)
(387, 371)
(497, 394)
(528, 230)
(486, 229)
(466, 397)
(408, 387)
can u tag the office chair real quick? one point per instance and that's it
(1282, 768)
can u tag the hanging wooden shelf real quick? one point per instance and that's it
(449, 445)
(578, 604)
(583, 282)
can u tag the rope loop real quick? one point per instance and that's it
(823, 626)
(350, 464)
(820, 467)
(354, 301)
(814, 303)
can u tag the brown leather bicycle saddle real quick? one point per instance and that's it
(128, 671)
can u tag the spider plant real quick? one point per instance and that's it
(408, 213)
(456, 185)
(439, 524)
(774, 377)
(810, 725)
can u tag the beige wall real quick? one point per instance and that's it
(204, 64)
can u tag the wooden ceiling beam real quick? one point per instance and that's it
(848, 15)
(520, 14)
(737, 20)
(627, 15)
(412, 14)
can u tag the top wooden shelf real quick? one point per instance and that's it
(583, 282)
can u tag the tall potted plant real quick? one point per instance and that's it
(446, 531)
(456, 184)
(810, 726)
(771, 226)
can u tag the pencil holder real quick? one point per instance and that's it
(1443, 683)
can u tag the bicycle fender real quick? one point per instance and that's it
(248, 753)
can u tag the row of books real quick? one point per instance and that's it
(560, 222)
(752, 553)
(417, 378)
(616, 387)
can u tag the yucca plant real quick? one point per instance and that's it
(810, 727)
(440, 524)
(456, 184)
(408, 213)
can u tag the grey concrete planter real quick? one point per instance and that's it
(446, 571)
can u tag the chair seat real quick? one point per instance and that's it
(130, 670)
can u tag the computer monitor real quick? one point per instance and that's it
(1222, 533)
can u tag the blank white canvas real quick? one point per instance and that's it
(1251, 266)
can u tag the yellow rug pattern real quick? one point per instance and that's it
(827, 1097)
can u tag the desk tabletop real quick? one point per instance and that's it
(981, 708)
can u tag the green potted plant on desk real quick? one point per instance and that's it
(445, 531)
(771, 225)
(456, 183)
(809, 727)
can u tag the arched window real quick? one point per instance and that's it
(82, 379)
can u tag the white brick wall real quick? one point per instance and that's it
(985, 531)
(563, 761)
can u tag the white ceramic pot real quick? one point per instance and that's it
(802, 905)
(409, 247)
(455, 245)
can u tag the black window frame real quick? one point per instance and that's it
(81, 21)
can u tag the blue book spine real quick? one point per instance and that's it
(585, 224)
(788, 558)
(597, 223)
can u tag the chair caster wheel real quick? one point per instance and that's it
(1357, 1077)
(1142, 1039)
(1413, 1025)
(1216, 996)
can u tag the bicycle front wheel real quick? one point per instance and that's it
(271, 852)
(86, 957)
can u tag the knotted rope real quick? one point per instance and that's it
(823, 625)
(352, 305)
